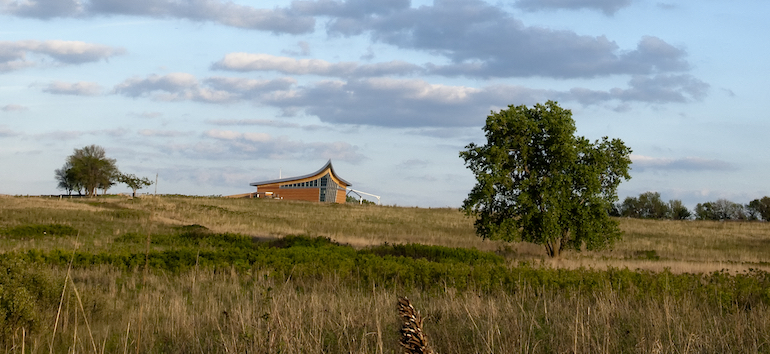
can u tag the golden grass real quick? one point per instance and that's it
(681, 246)
(216, 311)
(227, 312)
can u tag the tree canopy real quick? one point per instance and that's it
(88, 168)
(67, 179)
(134, 182)
(538, 182)
(649, 206)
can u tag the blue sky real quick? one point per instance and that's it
(213, 95)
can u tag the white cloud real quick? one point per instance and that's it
(16, 55)
(385, 101)
(77, 89)
(641, 163)
(247, 88)
(234, 177)
(171, 87)
(233, 145)
(260, 122)
(185, 87)
(146, 114)
(174, 83)
(304, 49)
(72, 134)
(224, 12)
(163, 133)
(609, 7)
(286, 65)
(14, 108)
(6, 133)
(478, 38)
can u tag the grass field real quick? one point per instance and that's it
(221, 279)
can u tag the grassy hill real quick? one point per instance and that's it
(192, 274)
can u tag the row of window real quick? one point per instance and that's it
(308, 184)
(324, 181)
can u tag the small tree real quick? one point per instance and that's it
(67, 179)
(760, 208)
(134, 182)
(647, 206)
(677, 210)
(538, 182)
(721, 209)
(91, 169)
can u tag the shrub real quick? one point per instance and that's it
(41, 230)
(25, 290)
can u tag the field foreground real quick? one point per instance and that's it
(180, 274)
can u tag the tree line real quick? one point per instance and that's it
(89, 169)
(649, 205)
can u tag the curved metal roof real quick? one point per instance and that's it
(327, 165)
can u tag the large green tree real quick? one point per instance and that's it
(91, 168)
(539, 182)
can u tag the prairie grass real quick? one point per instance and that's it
(682, 246)
(198, 296)
(208, 311)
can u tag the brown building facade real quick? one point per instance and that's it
(321, 186)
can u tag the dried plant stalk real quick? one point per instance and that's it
(412, 339)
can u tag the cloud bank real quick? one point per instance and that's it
(232, 145)
(477, 38)
(608, 7)
(641, 163)
(75, 89)
(16, 55)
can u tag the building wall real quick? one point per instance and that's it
(311, 194)
(308, 194)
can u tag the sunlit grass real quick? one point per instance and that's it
(230, 312)
(216, 309)
(679, 245)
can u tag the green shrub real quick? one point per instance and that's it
(437, 253)
(423, 268)
(647, 254)
(25, 292)
(302, 241)
(41, 230)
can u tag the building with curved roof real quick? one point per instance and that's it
(323, 186)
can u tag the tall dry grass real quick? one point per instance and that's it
(206, 311)
(224, 311)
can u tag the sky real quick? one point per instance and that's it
(212, 95)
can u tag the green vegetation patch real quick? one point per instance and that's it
(419, 267)
(647, 254)
(40, 230)
(124, 214)
(25, 290)
(436, 253)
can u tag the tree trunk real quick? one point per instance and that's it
(553, 248)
